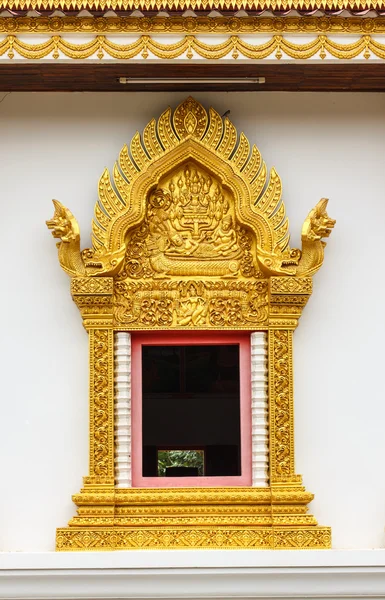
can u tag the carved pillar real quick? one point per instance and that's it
(288, 296)
(281, 417)
(259, 410)
(292, 525)
(101, 405)
(122, 409)
(96, 500)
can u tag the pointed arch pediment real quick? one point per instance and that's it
(190, 134)
(191, 202)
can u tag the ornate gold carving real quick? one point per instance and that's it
(289, 322)
(290, 300)
(190, 232)
(189, 228)
(192, 517)
(313, 538)
(288, 296)
(289, 285)
(204, 537)
(317, 226)
(101, 406)
(281, 406)
(182, 5)
(180, 24)
(202, 305)
(234, 47)
(94, 287)
(65, 227)
(209, 210)
(191, 496)
(94, 297)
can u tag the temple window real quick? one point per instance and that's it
(190, 295)
(190, 411)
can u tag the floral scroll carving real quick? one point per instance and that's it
(101, 405)
(281, 419)
(204, 304)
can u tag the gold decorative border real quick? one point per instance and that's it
(101, 406)
(153, 5)
(169, 25)
(281, 406)
(114, 538)
(234, 47)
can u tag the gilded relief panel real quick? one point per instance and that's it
(190, 263)
(190, 229)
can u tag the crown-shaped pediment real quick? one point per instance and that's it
(199, 199)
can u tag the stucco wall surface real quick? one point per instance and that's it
(56, 146)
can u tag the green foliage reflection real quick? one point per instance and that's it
(180, 458)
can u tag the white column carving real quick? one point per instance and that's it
(259, 410)
(122, 388)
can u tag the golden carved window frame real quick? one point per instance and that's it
(272, 293)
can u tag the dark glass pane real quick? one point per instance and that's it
(161, 369)
(212, 369)
(191, 402)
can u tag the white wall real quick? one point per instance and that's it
(56, 146)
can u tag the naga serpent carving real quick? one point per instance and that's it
(73, 261)
(165, 264)
(317, 225)
(65, 227)
(77, 263)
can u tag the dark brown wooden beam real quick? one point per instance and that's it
(32, 77)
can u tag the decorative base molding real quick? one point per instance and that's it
(174, 518)
(128, 538)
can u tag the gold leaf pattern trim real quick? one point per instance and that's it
(233, 47)
(170, 25)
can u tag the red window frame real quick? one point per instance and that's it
(185, 339)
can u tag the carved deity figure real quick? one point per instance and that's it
(191, 231)
(182, 245)
(224, 237)
(193, 311)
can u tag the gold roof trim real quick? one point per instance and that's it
(232, 48)
(189, 25)
(259, 5)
